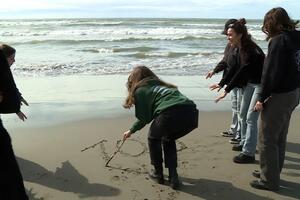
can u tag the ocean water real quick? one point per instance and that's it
(72, 69)
(57, 47)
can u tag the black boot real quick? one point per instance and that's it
(173, 178)
(157, 175)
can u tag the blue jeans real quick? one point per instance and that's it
(249, 118)
(236, 98)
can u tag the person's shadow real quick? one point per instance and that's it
(216, 190)
(290, 189)
(293, 147)
(293, 165)
(65, 178)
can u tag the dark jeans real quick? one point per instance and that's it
(11, 181)
(168, 126)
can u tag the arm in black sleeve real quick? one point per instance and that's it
(237, 77)
(11, 97)
(232, 70)
(242, 71)
(273, 67)
(222, 65)
(4, 84)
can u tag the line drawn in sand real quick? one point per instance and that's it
(119, 144)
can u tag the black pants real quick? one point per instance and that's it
(11, 181)
(168, 126)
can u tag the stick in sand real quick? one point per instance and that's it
(113, 155)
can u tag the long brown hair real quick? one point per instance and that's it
(7, 50)
(247, 44)
(276, 21)
(139, 76)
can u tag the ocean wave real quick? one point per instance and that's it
(93, 23)
(143, 55)
(124, 39)
(180, 63)
(101, 50)
(111, 32)
(119, 50)
(132, 49)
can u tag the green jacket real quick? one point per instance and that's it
(151, 99)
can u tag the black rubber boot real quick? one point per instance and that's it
(173, 178)
(157, 175)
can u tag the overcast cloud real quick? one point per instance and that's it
(144, 8)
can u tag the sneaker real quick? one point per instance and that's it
(237, 147)
(262, 186)
(157, 176)
(242, 158)
(234, 141)
(227, 134)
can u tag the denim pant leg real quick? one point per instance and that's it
(250, 142)
(235, 111)
(239, 101)
(246, 99)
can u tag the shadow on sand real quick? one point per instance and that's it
(216, 190)
(293, 147)
(66, 179)
(289, 189)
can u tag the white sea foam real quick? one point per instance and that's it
(112, 46)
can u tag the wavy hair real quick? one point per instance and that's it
(7, 50)
(247, 44)
(276, 21)
(140, 77)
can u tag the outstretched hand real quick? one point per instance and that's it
(258, 106)
(209, 74)
(215, 86)
(126, 135)
(24, 101)
(21, 115)
(222, 96)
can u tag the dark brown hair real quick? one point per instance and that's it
(139, 77)
(247, 44)
(7, 50)
(277, 20)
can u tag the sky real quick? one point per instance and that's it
(251, 9)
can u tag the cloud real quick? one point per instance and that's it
(73, 4)
(144, 8)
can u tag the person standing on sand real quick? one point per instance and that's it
(11, 184)
(248, 76)
(279, 97)
(172, 113)
(229, 60)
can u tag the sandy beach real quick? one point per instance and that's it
(73, 73)
(67, 162)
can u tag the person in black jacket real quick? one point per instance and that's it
(248, 76)
(279, 97)
(11, 185)
(230, 60)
